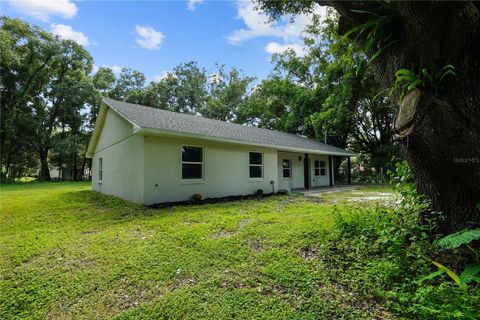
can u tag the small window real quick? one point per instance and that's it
(286, 167)
(320, 168)
(192, 163)
(256, 165)
(100, 169)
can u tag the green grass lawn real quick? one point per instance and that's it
(68, 252)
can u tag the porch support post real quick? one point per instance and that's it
(349, 171)
(306, 172)
(330, 170)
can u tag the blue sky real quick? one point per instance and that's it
(154, 36)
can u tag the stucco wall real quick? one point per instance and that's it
(123, 160)
(226, 170)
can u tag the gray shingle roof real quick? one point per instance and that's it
(162, 120)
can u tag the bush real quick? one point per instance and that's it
(381, 254)
(197, 196)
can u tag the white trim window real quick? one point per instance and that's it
(192, 163)
(287, 168)
(256, 165)
(100, 169)
(320, 168)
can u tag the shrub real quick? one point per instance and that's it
(197, 196)
(381, 254)
(259, 192)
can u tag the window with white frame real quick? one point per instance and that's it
(287, 168)
(256, 165)
(192, 163)
(100, 169)
(320, 168)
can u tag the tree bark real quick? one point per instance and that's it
(44, 173)
(443, 145)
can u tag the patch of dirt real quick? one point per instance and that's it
(182, 282)
(142, 234)
(242, 223)
(228, 234)
(222, 234)
(308, 253)
(362, 197)
(255, 245)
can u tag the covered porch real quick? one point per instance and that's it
(306, 171)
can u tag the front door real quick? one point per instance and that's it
(319, 173)
(287, 173)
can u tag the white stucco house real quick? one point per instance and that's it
(151, 156)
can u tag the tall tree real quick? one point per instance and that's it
(26, 53)
(227, 93)
(128, 86)
(438, 117)
(44, 79)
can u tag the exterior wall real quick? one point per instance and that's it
(317, 181)
(123, 159)
(297, 173)
(226, 170)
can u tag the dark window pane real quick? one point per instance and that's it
(255, 158)
(317, 171)
(192, 154)
(191, 171)
(255, 171)
(286, 173)
(322, 172)
(317, 163)
(286, 163)
(322, 163)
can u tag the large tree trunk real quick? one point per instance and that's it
(44, 173)
(442, 140)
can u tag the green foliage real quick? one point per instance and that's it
(379, 31)
(451, 274)
(452, 241)
(45, 85)
(455, 240)
(469, 274)
(427, 79)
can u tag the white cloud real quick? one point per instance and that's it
(66, 32)
(95, 68)
(161, 76)
(275, 47)
(116, 69)
(257, 25)
(149, 38)
(191, 4)
(44, 9)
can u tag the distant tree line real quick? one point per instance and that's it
(50, 96)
